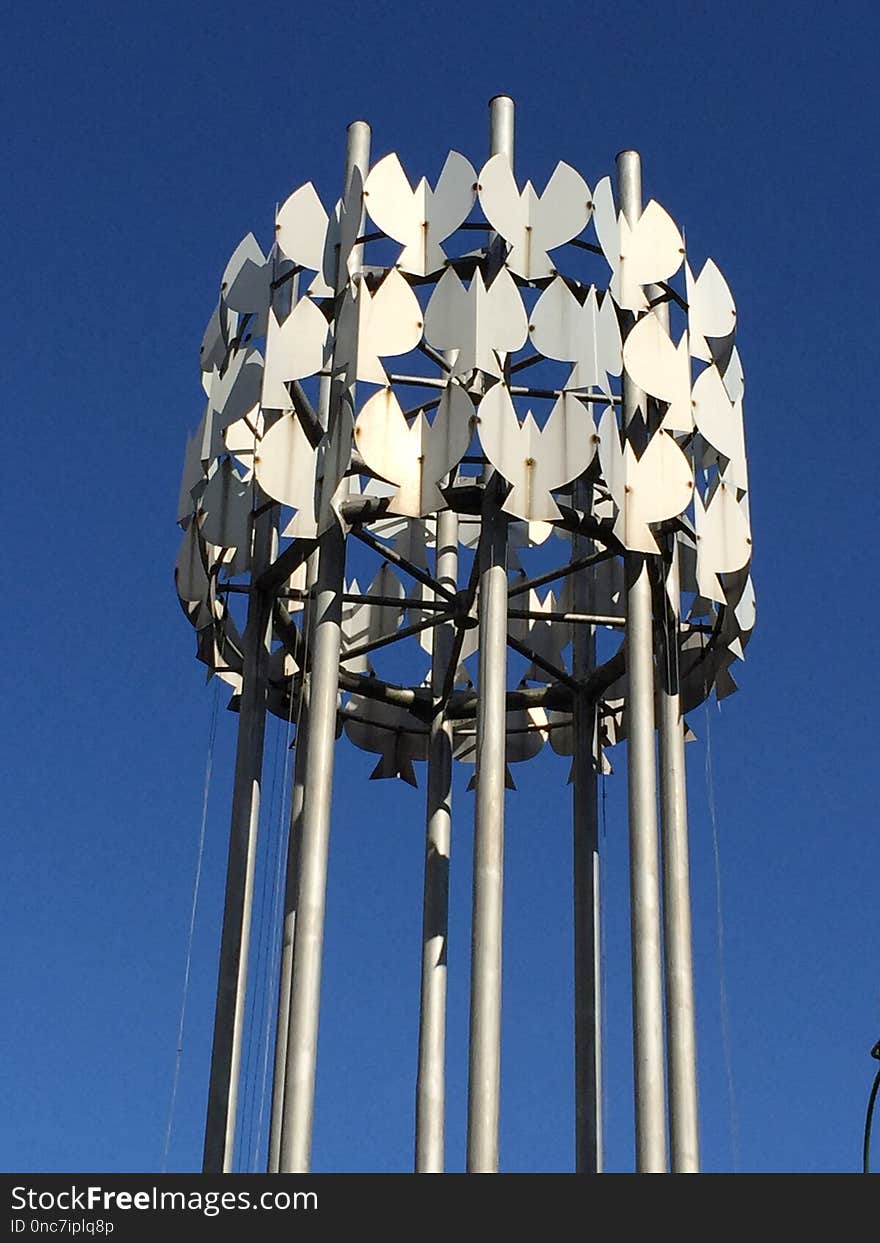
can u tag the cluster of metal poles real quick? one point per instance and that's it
(660, 914)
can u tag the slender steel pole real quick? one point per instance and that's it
(484, 1066)
(587, 980)
(680, 1010)
(681, 1040)
(431, 1085)
(299, 1081)
(647, 971)
(288, 933)
(219, 1151)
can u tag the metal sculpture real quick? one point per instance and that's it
(457, 407)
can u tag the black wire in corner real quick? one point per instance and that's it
(866, 1150)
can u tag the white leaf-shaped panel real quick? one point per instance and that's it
(719, 421)
(301, 234)
(342, 233)
(226, 503)
(238, 390)
(414, 457)
(586, 335)
(294, 350)
(662, 369)
(219, 331)
(285, 464)
(389, 323)
(479, 323)
(246, 282)
(193, 475)
(534, 224)
(711, 309)
(532, 459)
(652, 488)
(724, 542)
(420, 219)
(190, 573)
(734, 379)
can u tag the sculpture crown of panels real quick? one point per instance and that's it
(419, 332)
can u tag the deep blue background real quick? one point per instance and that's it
(140, 144)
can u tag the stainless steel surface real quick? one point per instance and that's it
(431, 1082)
(484, 1063)
(647, 971)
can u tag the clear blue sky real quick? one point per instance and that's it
(140, 144)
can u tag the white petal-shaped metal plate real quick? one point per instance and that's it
(662, 369)
(414, 457)
(389, 323)
(342, 232)
(479, 323)
(285, 464)
(526, 734)
(390, 732)
(246, 282)
(734, 380)
(746, 608)
(220, 329)
(719, 421)
(531, 224)
(190, 573)
(226, 503)
(546, 638)
(294, 350)
(301, 233)
(564, 329)
(453, 196)
(420, 219)
(724, 542)
(238, 390)
(532, 459)
(240, 439)
(656, 486)
(650, 252)
(711, 309)
(335, 460)
(605, 222)
(193, 475)
(365, 623)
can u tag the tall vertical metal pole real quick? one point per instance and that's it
(585, 817)
(219, 1151)
(431, 1082)
(299, 1082)
(647, 971)
(681, 1040)
(680, 1011)
(294, 842)
(291, 887)
(484, 1066)
(288, 932)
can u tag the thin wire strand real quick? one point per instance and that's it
(200, 854)
(722, 981)
(603, 964)
(866, 1147)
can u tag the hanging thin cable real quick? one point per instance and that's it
(200, 854)
(722, 981)
(603, 951)
(866, 1147)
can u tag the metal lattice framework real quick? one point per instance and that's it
(473, 455)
